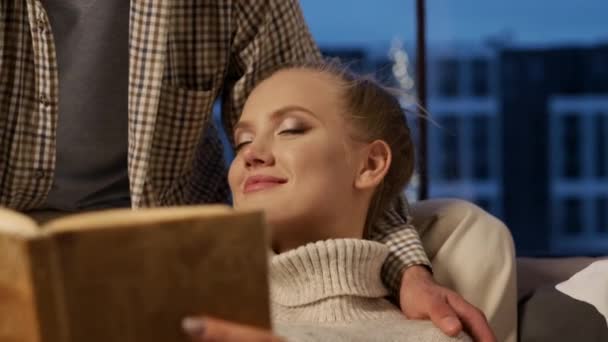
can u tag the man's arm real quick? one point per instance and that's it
(407, 273)
(266, 34)
(263, 35)
(405, 246)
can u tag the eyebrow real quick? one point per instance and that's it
(277, 114)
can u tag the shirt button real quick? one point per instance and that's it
(44, 100)
(40, 174)
(41, 24)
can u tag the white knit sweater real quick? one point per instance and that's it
(332, 291)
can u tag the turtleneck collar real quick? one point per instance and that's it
(325, 269)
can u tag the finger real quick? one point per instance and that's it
(210, 329)
(474, 320)
(446, 319)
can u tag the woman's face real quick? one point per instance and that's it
(296, 160)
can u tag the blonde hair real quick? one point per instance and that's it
(376, 114)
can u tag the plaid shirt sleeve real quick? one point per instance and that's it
(267, 34)
(405, 246)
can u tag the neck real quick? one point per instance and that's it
(291, 235)
(293, 242)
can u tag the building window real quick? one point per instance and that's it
(601, 136)
(448, 77)
(450, 148)
(481, 146)
(536, 69)
(571, 144)
(601, 212)
(572, 216)
(480, 77)
(484, 203)
(597, 73)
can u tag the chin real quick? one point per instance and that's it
(278, 212)
(253, 204)
(261, 200)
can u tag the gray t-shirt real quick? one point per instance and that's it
(91, 39)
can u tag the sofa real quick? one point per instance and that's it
(546, 314)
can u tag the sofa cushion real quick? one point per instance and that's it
(533, 273)
(550, 315)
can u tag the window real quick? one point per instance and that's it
(571, 145)
(450, 158)
(535, 69)
(481, 146)
(448, 77)
(601, 212)
(601, 136)
(571, 216)
(597, 72)
(480, 75)
(495, 72)
(484, 203)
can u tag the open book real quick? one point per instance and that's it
(124, 275)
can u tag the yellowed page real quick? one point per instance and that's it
(16, 223)
(117, 218)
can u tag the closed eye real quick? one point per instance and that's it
(238, 147)
(293, 131)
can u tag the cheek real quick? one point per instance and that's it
(320, 163)
(234, 175)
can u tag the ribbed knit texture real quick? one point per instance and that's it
(332, 291)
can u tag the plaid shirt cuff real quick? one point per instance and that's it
(405, 250)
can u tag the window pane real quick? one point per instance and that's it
(597, 71)
(572, 219)
(601, 136)
(450, 148)
(481, 145)
(571, 145)
(601, 210)
(480, 77)
(448, 82)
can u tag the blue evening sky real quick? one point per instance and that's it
(372, 22)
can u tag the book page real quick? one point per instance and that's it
(117, 218)
(15, 223)
(136, 280)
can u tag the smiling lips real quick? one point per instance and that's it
(258, 183)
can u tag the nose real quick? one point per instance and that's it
(257, 155)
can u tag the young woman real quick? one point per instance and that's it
(322, 153)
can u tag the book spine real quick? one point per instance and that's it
(49, 294)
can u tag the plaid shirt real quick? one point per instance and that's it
(183, 55)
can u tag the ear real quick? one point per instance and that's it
(376, 161)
